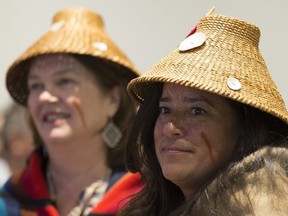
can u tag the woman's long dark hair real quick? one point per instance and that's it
(160, 196)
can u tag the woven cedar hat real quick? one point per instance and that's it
(74, 31)
(221, 56)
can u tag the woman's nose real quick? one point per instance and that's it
(48, 96)
(172, 128)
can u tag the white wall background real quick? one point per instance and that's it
(145, 30)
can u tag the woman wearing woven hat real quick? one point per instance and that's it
(73, 81)
(210, 136)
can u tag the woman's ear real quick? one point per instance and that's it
(115, 95)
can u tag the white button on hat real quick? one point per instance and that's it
(234, 83)
(100, 46)
(194, 40)
(56, 26)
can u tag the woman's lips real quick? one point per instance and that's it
(176, 150)
(51, 117)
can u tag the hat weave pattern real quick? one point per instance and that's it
(230, 50)
(73, 31)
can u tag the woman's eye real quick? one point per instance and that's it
(64, 81)
(164, 110)
(36, 87)
(197, 111)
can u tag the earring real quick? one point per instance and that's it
(111, 134)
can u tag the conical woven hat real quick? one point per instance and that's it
(75, 31)
(222, 57)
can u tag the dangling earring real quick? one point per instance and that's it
(111, 134)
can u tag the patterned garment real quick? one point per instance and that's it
(27, 194)
(90, 198)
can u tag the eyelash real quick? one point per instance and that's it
(162, 110)
(64, 81)
(36, 87)
(194, 111)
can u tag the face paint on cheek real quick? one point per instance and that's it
(210, 150)
(77, 107)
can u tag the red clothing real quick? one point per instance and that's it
(30, 194)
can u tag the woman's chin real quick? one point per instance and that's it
(58, 136)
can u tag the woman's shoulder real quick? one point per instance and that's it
(264, 170)
(264, 180)
(120, 193)
(258, 184)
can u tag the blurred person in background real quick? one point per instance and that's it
(73, 82)
(4, 167)
(17, 138)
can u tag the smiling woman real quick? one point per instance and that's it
(210, 136)
(63, 99)
(73, 82)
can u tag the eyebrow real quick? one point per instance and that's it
(190, 100)
(59, 73)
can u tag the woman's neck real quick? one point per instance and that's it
(72, 167)
(75, 157)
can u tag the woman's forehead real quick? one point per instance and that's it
(177, 90)
(54, 61)
(189, 94)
